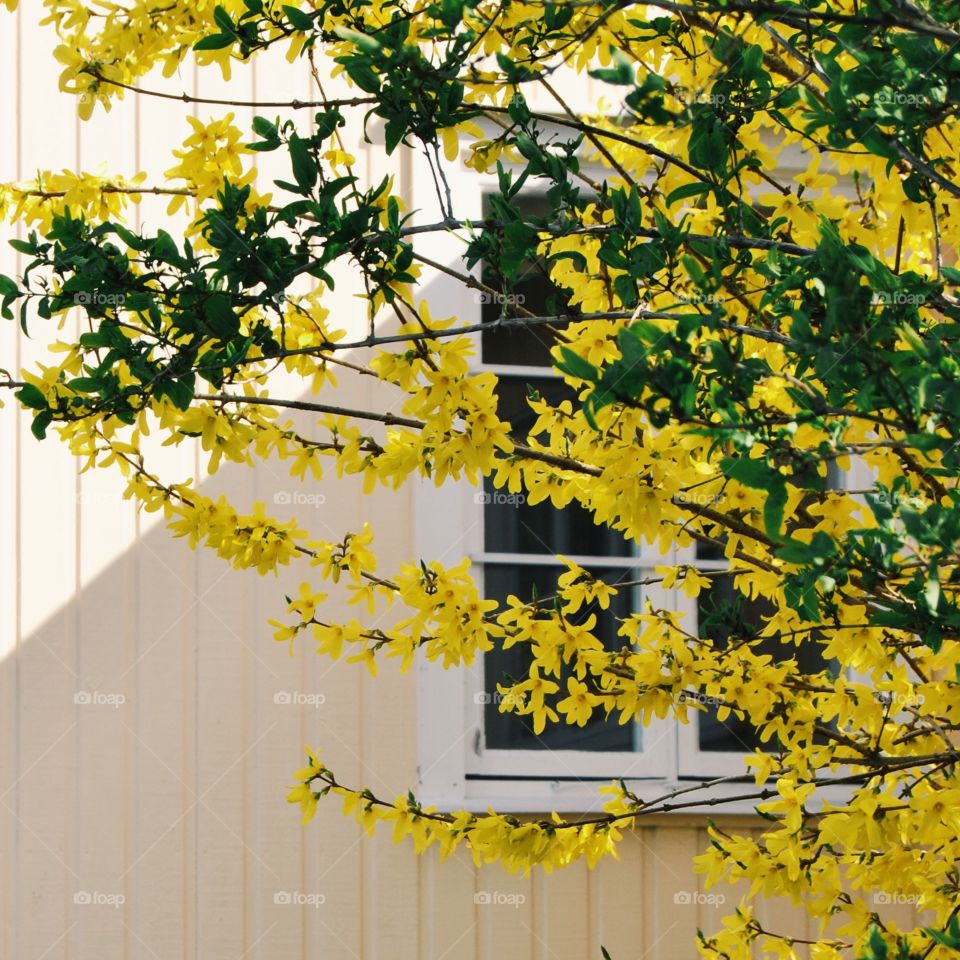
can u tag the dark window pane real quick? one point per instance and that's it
(711, 551)
(507, 731)
(516, 527)
(726, 616)
(528, 346)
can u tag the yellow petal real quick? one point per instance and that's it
(451, 143)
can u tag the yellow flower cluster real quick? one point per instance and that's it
(493, 838)
(211, 154)
(37, 202)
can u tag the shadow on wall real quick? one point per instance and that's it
(151, 725)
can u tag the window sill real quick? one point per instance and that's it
(521, 796)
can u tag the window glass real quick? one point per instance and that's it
(726, 616)
(526, 346)
(511, 525)
(509, 731)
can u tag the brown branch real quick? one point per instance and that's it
(273, 104)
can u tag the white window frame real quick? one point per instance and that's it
(454, 771)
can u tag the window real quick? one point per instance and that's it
(471, 753)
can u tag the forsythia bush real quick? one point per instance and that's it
(730, 330)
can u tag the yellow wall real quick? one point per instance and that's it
(173, 799)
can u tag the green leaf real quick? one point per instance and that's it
(326, 121)
(265, 128)
(877, 944)
(128, 237)
(393, 133)
(96, 338)
(298, 19)
(751, 473)
(688, 190)
(589, 408)
(86, 384)
(707, 147)
(219, 314)
(30, 396)
(40, 423)
(9, 291)
(165, 248)
(801, 596)
(216, 41)
(223, 20)
(620, 74)
(773, 507)
(304, 166)
(361, 73)
(360, 40)
(795, 551)
(180, 392)
(576, 366)
(942, 938)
